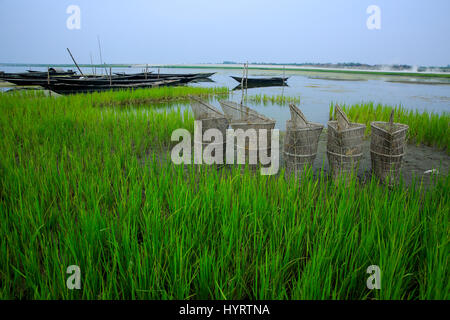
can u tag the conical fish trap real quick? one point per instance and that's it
(344, 147)
(387, 148)
(300, 143)
(341, 118)
(244, 118)
(239, 112)
(203, 110)
(211, 118)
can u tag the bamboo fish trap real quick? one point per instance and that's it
(211, 118)
(300, 143)
(387, 148)
(242, 117)
(344, 145)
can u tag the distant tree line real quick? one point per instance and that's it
(350, 65)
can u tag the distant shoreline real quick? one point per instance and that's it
(307, 69)
(289, 68)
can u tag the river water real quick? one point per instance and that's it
(318, 89)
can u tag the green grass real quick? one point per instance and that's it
(158, 95)
(427, 128)
(154, 95)
(88, 186)
(273, 99)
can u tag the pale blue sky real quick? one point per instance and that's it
(413, 32)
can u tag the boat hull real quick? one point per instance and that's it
(261, 81)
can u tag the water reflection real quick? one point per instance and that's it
(261, 85)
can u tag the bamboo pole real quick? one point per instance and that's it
(75, 62)
(342, 120)
(100, 50)
(242, 85)
(391, 122)
(246, 84)
(92, 65)
(48, 80)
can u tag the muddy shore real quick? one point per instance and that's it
(417, 160)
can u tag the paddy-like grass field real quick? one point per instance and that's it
(87, 180)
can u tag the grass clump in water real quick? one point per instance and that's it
(273, 99)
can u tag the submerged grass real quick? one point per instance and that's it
(273, 99)
(425, 127)
(88, 186)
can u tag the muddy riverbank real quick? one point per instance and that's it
(417, 162)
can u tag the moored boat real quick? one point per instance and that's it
(38, 74)
(114, 81)
(261, 81)
(29, 81)
(64, 88)
(149, 75)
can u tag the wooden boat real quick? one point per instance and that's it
(39, 74)
(64, 88)
(123, 79)
(39, 81)
(114, 81)
(261, 81)
(259, 85)
(149, 75)
(29, 81)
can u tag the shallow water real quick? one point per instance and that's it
(317, 94)
(318, 89)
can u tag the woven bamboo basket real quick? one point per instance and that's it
(300, 142)
(220, 124)
(242, 117)
(211, 118)
(344, 147)
(387, 148)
